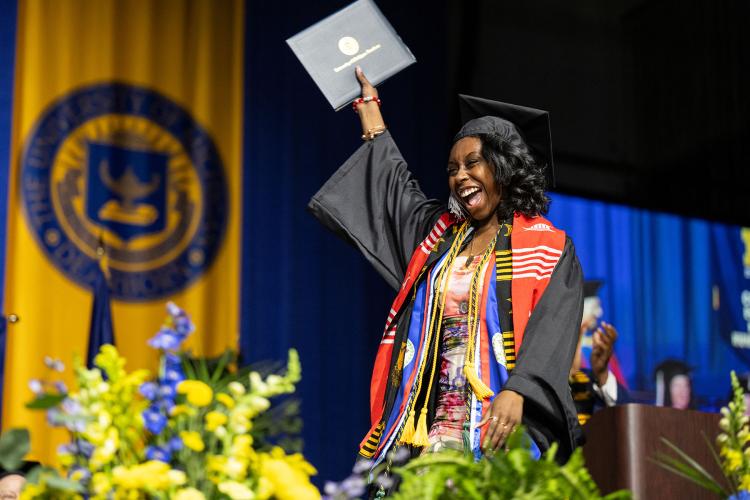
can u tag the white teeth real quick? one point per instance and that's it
(466, 192)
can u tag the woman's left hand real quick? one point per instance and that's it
(503, 416)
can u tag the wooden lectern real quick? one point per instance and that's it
(622, 441)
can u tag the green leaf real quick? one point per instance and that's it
(716, 458)
(688, 465)
(686, 471)
(53, 480)
(14, 445)
(45, 401)
(60, 483)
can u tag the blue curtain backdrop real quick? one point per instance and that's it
(303, 288)
(659, 277)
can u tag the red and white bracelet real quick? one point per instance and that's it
(362, 100)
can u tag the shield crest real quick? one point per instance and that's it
(126, 190)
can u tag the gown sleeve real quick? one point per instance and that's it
(374, 203)
(546, 355)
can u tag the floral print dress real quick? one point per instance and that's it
(452, 406)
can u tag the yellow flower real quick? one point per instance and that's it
(265, 488)
(242, 447)
(101, 483)
(152, 474)
(236, 490)
(188, 494)
(236, 388)
(289, 475)
(104, 453)
(197, 393)
(192, 440)
(31, 491)
(215, 419)
(225, 399)
(66, 459)
(235, 469)
(178, 410)
(732, 460)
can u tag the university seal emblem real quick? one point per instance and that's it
(123, 167)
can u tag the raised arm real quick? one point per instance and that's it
(373, 202)
(369, 113)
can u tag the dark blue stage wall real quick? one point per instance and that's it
(302, 287)
(7, 55)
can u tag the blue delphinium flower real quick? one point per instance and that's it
(158, 453)
(180, 319)
(175, 444)
(149, 390)
(79, 474)
(36, 386)
(163, 391)
(154, 420)
(84, 447)
(167, 391)
(166, 339)
(55, 417)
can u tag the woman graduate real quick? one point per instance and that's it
(483, 329)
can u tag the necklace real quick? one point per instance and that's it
(470, 257)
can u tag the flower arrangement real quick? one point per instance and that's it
(733, 456)
(513, 473)
(185, 434)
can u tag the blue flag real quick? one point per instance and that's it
(101, 330)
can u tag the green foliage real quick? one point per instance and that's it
(510, 474)
(14, 445)
(45, 401)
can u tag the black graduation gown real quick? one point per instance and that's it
(373, 202)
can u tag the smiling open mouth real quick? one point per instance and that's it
(470, 196)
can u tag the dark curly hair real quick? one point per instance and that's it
(522, 179)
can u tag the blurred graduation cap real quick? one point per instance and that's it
(483, 116)
(591, 288)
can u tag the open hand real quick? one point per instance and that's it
(503, 416)
(603, 342)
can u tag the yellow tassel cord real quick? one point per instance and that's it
(470, 370)
(420, 436)
(409, 434)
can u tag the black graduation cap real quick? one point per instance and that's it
(591, 288)
(673, 367)
(483, 116)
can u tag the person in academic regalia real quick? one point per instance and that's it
(481, 335)
(595, 387)
(674, 388)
